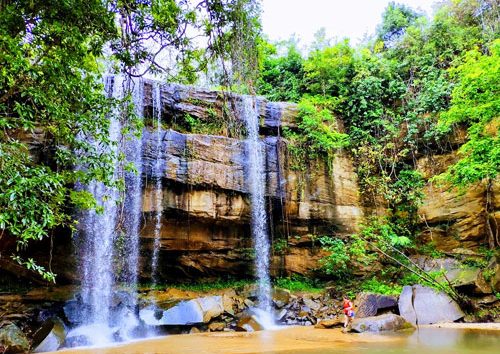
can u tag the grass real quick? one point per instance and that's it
(295, 284)
(202, 286)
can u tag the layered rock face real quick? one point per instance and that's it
(453, 220)
(205, 205)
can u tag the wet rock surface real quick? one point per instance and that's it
(50, 336)
(12, 339)
(387, 322)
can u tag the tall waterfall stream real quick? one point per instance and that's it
(256, 180)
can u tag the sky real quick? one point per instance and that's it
(340, 18)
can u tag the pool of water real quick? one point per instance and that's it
(308, 340)
(425, 341)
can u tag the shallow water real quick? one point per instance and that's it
(427, 341)
(308, 340)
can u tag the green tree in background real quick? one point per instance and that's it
(399, 97)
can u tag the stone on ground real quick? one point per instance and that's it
(13, 340)
(387, 322)
(424, 305)
(335, 322)
(369, 304)
(50, 336)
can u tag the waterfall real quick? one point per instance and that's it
(133, 196)
(105, 313)
(97, 230)
(157, 173)
(257, 184)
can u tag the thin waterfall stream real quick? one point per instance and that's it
(97, 231)
(158, 193)
(102, 322)
(256, 180)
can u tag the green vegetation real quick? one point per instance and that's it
(373, 285)
(398, 96)
(299, 284)
(51, 94)
(211, 285)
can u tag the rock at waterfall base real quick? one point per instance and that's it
(387, 322)
(50, 336)
(422, 305)
(281, 297)
(369, 305)
(195, 311)
(13, 340)
(248, 324)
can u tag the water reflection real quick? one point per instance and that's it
(428, 341)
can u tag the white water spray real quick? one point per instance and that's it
(103, 319)
(257, 184)
(158, 193)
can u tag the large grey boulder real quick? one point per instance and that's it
(13, 340)
(405, 305)
(423, 305)
(370, 304)
(387, 322)
(50, 336)
(200, 310)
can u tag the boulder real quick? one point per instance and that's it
(73, 310)
(369, 304)
(335, 322)
(405, 305)
(423, 305)
(495, 281)
(463, 277)
(281, 297)
(482, 287)
(248, 323)
(387, 322)
(50, 336)
(195, 311)
(13, 340)
(311, 304)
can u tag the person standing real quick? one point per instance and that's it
(348, 311)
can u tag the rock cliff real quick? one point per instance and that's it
(205, 208)
(205, 198)
(454, 221)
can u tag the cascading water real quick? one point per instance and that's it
(257, 184)
(132, 212)
(98, 233)
(102, 319)
(158, 192)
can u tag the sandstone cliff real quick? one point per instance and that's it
(205, 201)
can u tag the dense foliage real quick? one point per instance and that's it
(53, 55)
(400, 96)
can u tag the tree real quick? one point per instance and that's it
(475, 104)
(395, 19)
(51, 92)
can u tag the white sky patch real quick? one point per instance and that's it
(341, 18)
